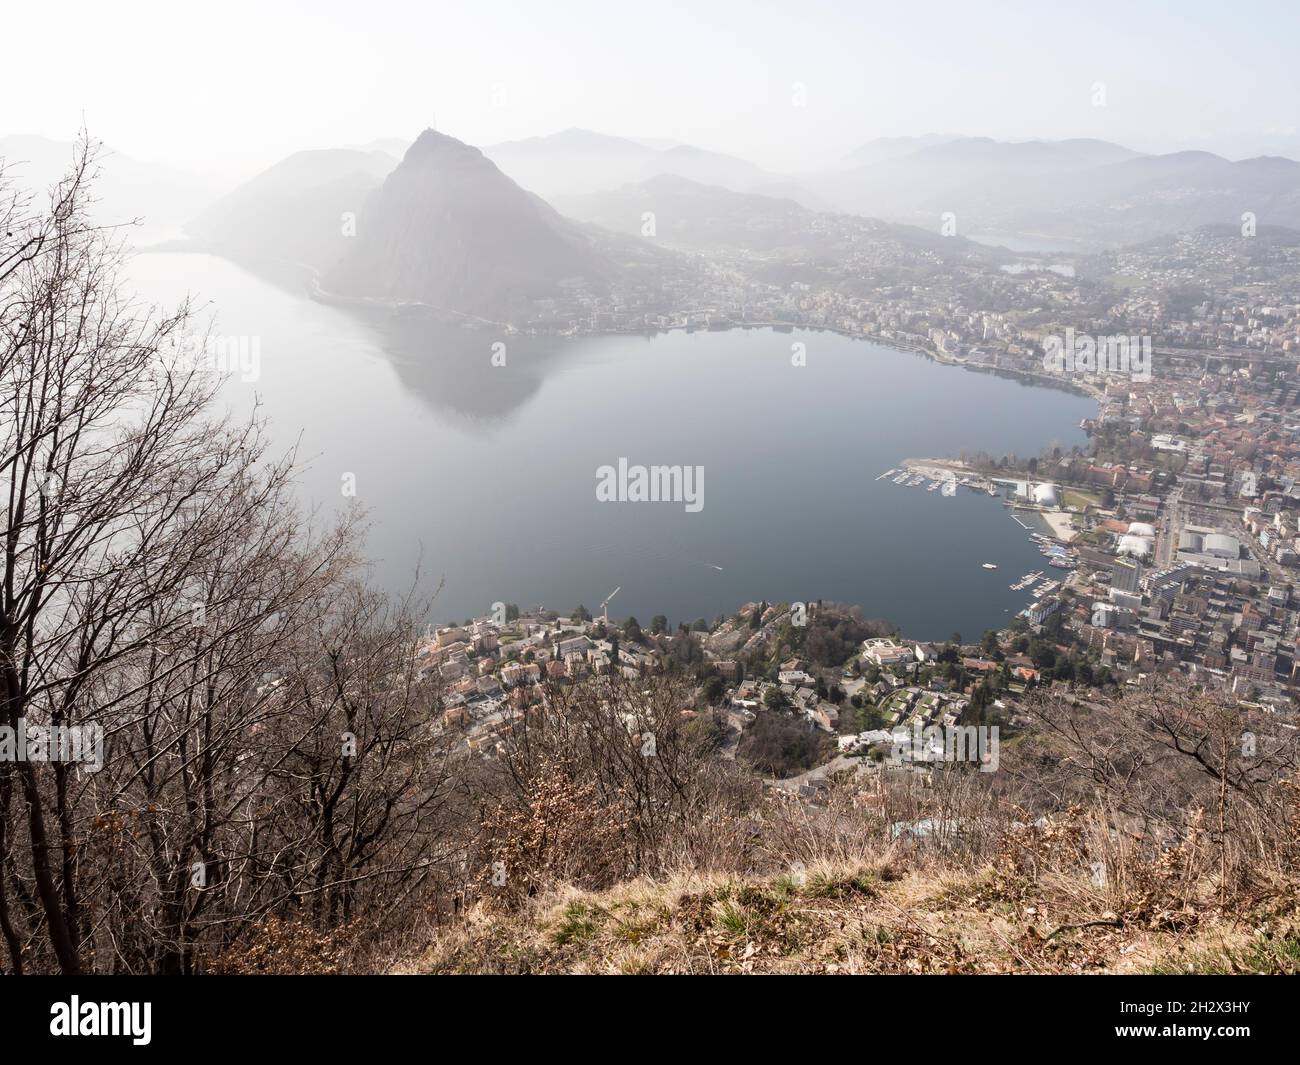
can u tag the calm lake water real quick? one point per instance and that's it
(486, 476)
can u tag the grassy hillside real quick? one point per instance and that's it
(1031, 910)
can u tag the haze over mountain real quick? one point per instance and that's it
(449, 229)
(295, 209)
(698, 218)
(904, 182)
(1081, 190)
(692, 215)
(1150, 196)
(160, 197)
(578, 161)
(880, 149)
(572, 161)
(394, 146)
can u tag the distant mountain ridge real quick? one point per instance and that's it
(1082, 191)
(690, 216)
(448, 226)
(1079, 190)
(574, 162)
(161, 197)
(880, 149)
(296, 209)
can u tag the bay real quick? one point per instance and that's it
(485, 475)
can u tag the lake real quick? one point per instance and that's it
(485, 475)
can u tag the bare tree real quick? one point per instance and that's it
(159, 584)
(1159, 757)
(604, 780)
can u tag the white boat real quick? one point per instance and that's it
(990, 565)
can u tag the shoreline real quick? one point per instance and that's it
(317, 293)
(933, 468)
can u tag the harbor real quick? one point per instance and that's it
(1049, 529)
(936, 477)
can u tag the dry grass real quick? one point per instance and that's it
(1166, 865)
(866, 917)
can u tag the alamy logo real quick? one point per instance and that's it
(1108, 355)
(949, 743)
(651, 484)
(79, 744)
(225, 356)
(102, 1018)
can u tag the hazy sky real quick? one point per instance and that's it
(234, 86)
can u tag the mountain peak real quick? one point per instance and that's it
(434, 146)
(450, 230)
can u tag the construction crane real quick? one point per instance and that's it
(604, 607)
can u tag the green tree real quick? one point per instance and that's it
(715, 688)
(774, 699)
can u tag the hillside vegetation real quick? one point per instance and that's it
(1031, 909)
